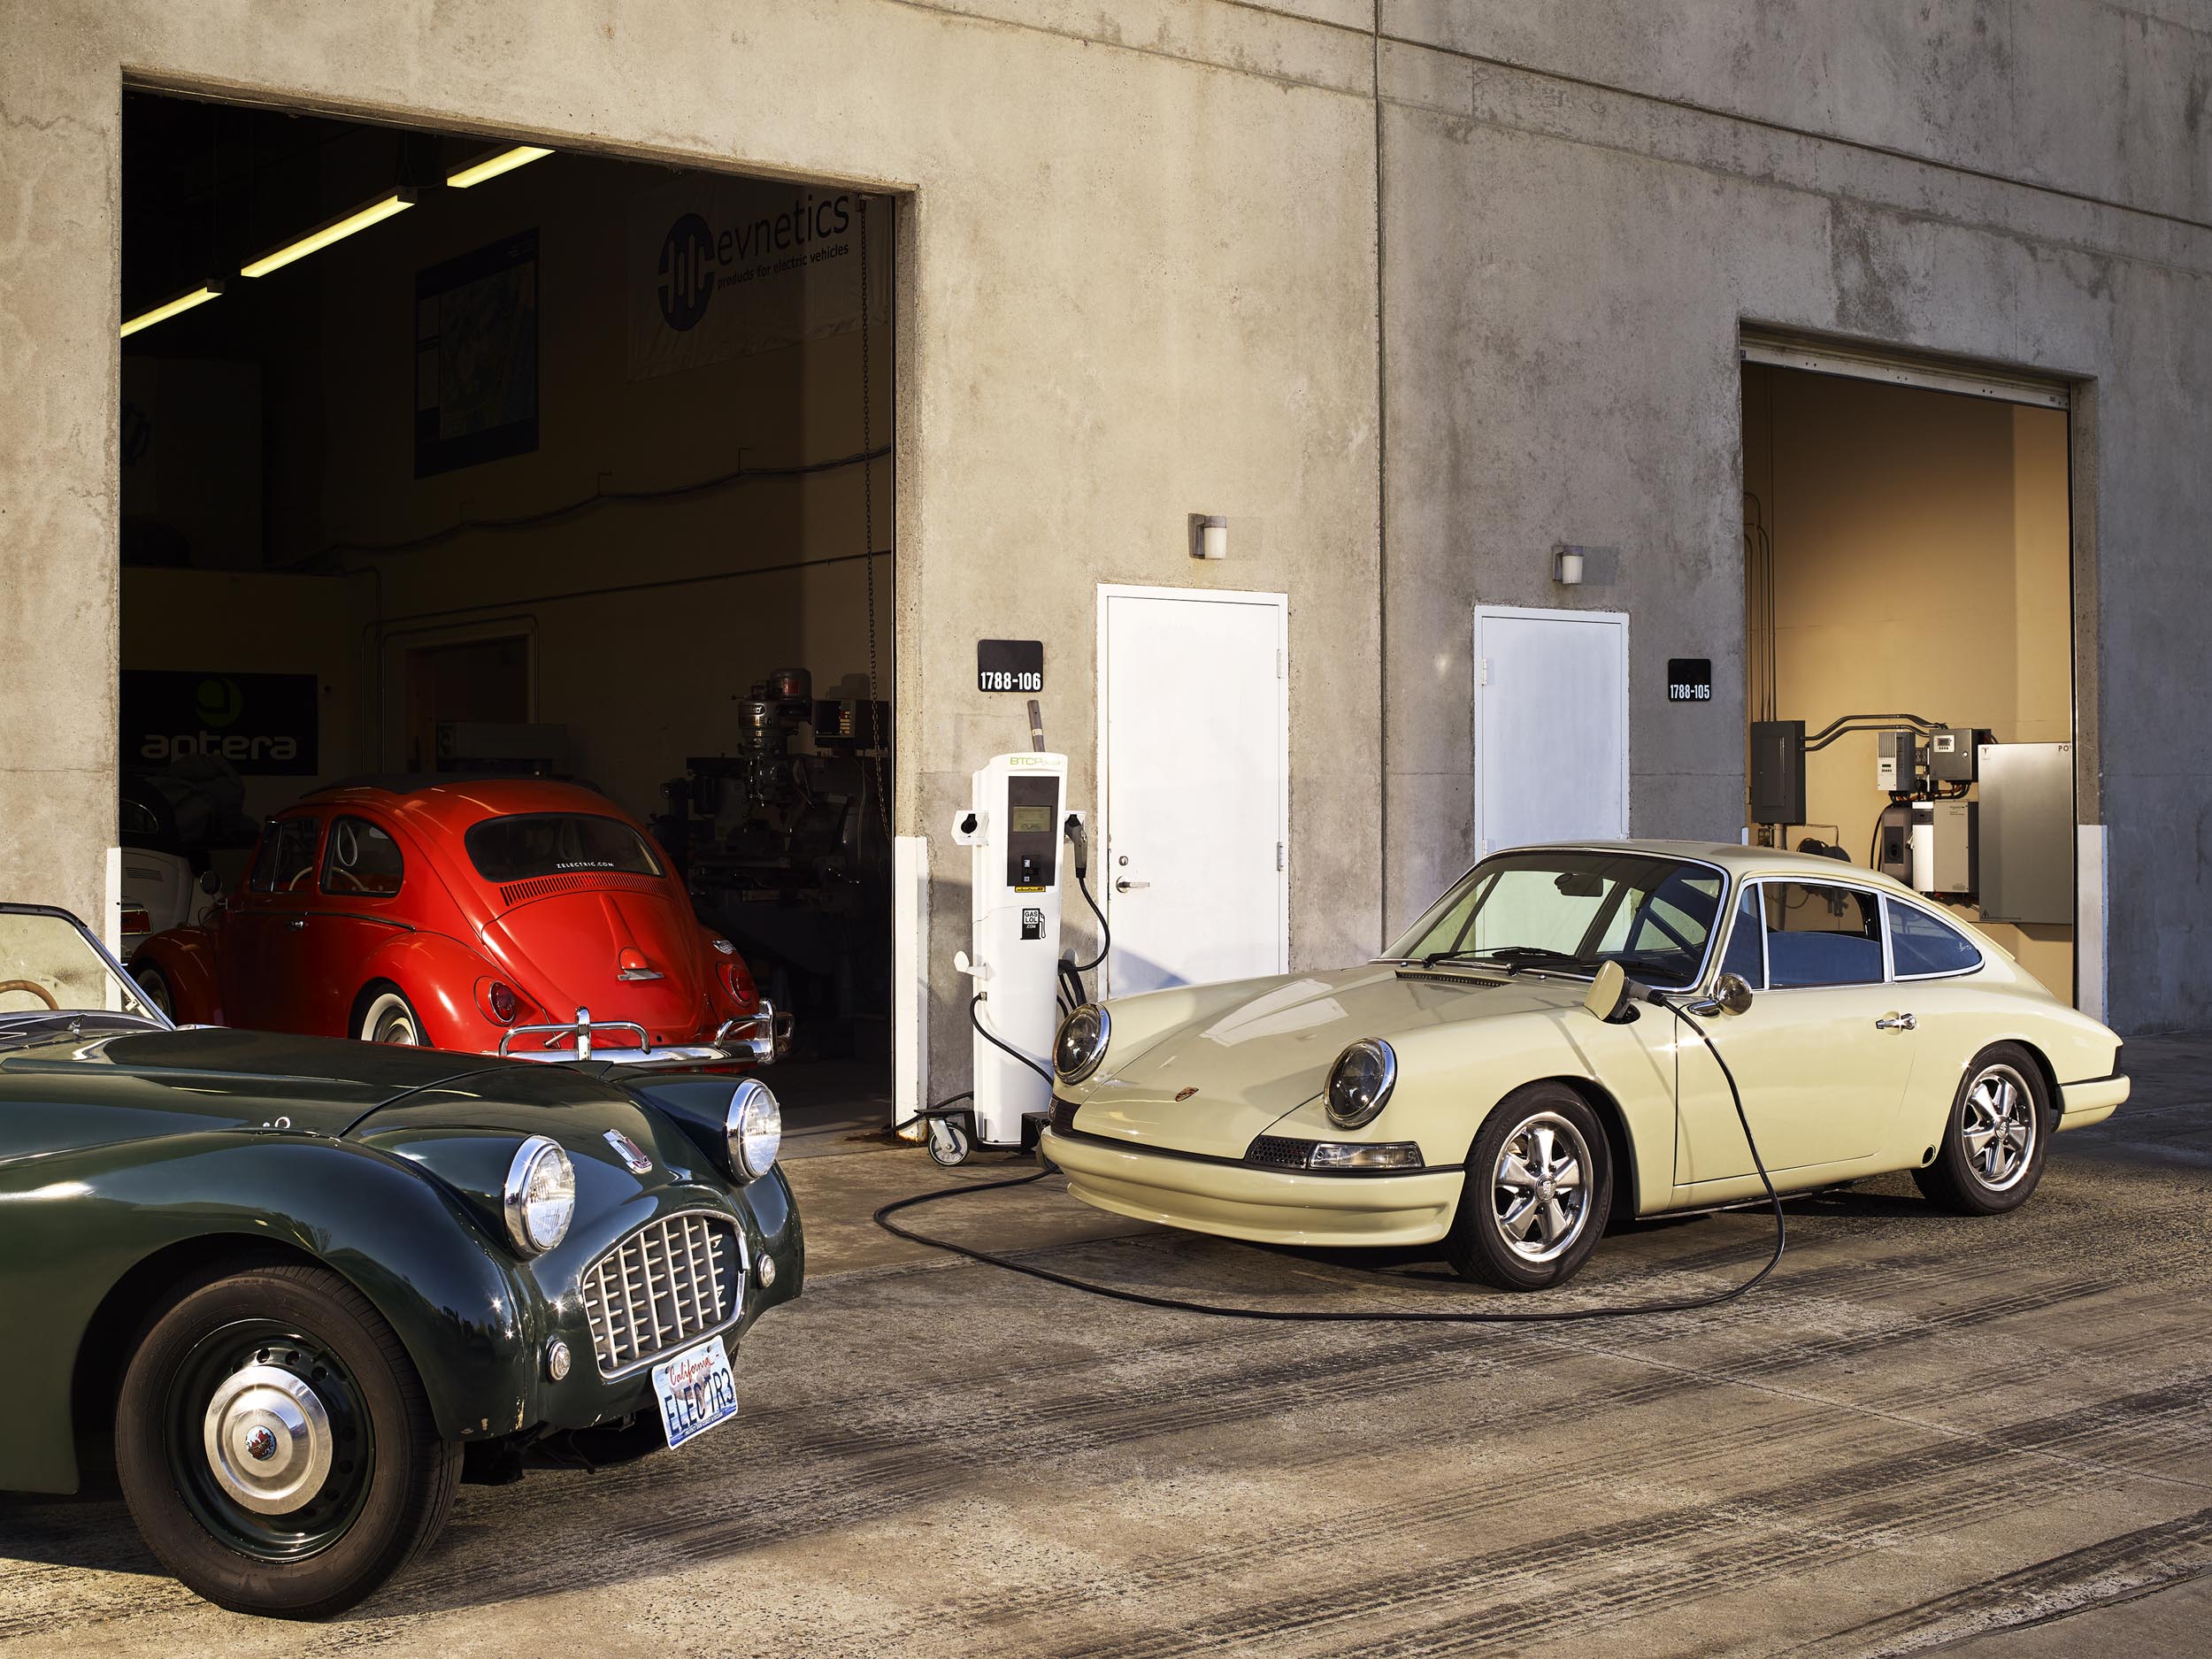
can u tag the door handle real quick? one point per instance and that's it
(1125, 884)
(1897, 1022)
(295, 921)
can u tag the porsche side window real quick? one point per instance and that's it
(1747, 954)
(361, 861)
(286, 862)
(1920, 944)
(1818, 934)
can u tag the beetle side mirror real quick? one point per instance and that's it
(1733, 992)
(210, 883)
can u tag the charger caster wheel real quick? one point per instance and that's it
(950, 1142)
(275, 1444)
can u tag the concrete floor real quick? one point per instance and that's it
(1923, 1432)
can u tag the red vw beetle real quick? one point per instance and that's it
(502, 915)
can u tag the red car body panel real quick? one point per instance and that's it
(308, 948)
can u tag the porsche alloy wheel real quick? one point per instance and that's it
(1991, 1155)
(275, 1446)
(1539, 1185)
(391, 1018)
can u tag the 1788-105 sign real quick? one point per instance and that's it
(1009, 665)
(1689, 680)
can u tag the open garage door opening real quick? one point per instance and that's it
(448, 459)
(1911, 657)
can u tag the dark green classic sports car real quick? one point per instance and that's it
(311, 1283)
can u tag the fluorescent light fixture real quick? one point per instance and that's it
(492, 165)
(375, 214)
(169, 308)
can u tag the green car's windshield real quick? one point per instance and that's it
(50, 972)
(1572, 912)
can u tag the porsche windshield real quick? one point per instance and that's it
(50, 972)
(1570, 912)
(531, 844)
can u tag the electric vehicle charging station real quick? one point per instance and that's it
(1013, 826)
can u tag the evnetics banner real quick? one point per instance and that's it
(723, 267)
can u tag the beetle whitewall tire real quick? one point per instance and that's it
(390, 1017)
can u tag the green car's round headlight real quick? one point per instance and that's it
(1360, 1082)
(755, 1129)
(540, 1197)
(1081, 1044)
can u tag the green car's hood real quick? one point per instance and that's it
(141, 1084)
(1239, 1069)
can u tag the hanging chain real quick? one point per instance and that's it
(868, 531)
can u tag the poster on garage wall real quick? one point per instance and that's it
(720, 267)
(476, 357)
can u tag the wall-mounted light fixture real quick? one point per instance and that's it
(492, 165)
(1209, 536)
(171, 307)
(360, 218)
(1566, 566)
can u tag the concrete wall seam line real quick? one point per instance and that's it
(1865, 146)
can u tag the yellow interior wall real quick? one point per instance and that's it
(1921, 552)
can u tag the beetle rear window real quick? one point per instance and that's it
(530, 844)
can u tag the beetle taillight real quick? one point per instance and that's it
(504, 1003)
(739, 981)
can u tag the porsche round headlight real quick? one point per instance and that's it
(540, 1196)
(1360, 1082)
(755, 1128)
(1081, 1044)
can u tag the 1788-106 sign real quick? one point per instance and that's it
(1009, 665)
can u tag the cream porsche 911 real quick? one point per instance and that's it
(1491, 1086)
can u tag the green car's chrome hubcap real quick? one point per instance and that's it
(1540, 1187)
(269, 1440)
(1998, 1126)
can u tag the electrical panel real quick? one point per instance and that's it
(1943, 838)
(1951, 753)
(1777, 772)
(1897, 761)
(2027, 832)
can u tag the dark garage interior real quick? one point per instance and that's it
(549, 463)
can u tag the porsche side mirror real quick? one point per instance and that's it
(1733, 993)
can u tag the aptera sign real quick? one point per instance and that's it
(263, 725)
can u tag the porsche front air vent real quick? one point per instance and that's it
(1064, 1115)
(671, 1280)
(1278, 1152)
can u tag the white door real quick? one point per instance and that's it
(1193, 785)
(1551, 727)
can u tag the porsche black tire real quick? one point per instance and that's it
(1482, 1244)
(372, 1513)
(1980, 1169)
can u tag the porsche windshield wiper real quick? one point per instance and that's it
(1510, 958)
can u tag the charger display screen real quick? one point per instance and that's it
(1032, 820)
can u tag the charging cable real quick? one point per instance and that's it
(1176, 1304)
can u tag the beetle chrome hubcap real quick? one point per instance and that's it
(1999, 1127)
(1539, 1191)
(268, 1440)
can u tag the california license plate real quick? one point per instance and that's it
(697, 1391)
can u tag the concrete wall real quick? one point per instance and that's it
(1109, 322)
(1583, 207)
(1142, 281)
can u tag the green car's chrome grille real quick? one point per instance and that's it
(673, 1279)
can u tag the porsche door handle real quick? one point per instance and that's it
(1897, 1022)
(1126, 885)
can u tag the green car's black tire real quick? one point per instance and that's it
(1993, 1145)
(361, 1480)
(1539, 1190)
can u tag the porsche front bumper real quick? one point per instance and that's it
(1240, 1201)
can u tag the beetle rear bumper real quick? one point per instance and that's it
(1236, 1200)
